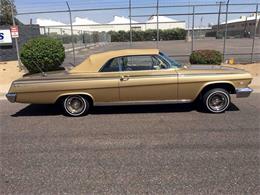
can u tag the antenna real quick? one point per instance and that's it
(43, 73)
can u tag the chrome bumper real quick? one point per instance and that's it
(243, 92)
(11, 97)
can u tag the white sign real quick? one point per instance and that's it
(5, 37)
(14, 32)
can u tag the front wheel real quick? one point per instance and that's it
(75, 105)
(216, 100)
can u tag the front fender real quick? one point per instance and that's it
(207, 84)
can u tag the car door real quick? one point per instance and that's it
(107, 82)
(146, 78)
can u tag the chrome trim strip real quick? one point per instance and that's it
(203, 74)
(11, 97)
(243, 92)
(17, 83)
(142, 102)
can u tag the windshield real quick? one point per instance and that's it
(171, 61)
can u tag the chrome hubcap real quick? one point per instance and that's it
(218, 102)
(75, 104)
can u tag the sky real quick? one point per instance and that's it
(107, 16)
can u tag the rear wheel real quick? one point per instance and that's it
(75, 105)
(216, 100)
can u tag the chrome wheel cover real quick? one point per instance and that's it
(218, 101)
(75, 105)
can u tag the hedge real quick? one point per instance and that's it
(148, 35)
(44, 53)
(206, 57)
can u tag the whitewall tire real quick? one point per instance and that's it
(75, 105)
(216, 100)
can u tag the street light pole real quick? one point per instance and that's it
(226, 29)
(193, 23)
(16, 41)
(72, 36)
(130, 22)
(255, 30)
(157, 24)
(188, 38)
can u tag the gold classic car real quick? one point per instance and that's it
(135, 76)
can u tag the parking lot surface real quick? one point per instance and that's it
(240, 48)
(162, 149)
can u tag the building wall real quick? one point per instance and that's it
(112, 27)
(165, 26)
(240, 28)
(26, 32)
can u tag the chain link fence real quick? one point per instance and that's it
(232, 29)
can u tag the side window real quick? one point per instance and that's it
(135, 63)
(111, 66)
(138, 63)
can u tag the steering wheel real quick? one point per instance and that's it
(162, 65)
(158, 64)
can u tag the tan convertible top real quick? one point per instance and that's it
(94, 62)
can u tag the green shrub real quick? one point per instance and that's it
(206, 57)
(46, 53)
(148, 35)
(119, 36)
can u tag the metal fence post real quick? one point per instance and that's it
(219, 12)
(44, 30)
(130, 23)
(72, 37)
(84, 39)
(192, 33)
(255, 30)
(16, 40)
(81, 37)
(226, 29)
(157, 24)
(188, 32)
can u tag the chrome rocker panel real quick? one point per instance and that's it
(149, 102)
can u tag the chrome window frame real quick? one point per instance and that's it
(157, 56)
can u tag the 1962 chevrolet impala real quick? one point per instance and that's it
(135, 76)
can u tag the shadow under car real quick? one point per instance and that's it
(47, 110)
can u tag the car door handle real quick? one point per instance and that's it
(124, 78)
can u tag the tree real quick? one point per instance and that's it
(6, 13)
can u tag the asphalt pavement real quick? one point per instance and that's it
(239, 49)
(162, 149)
